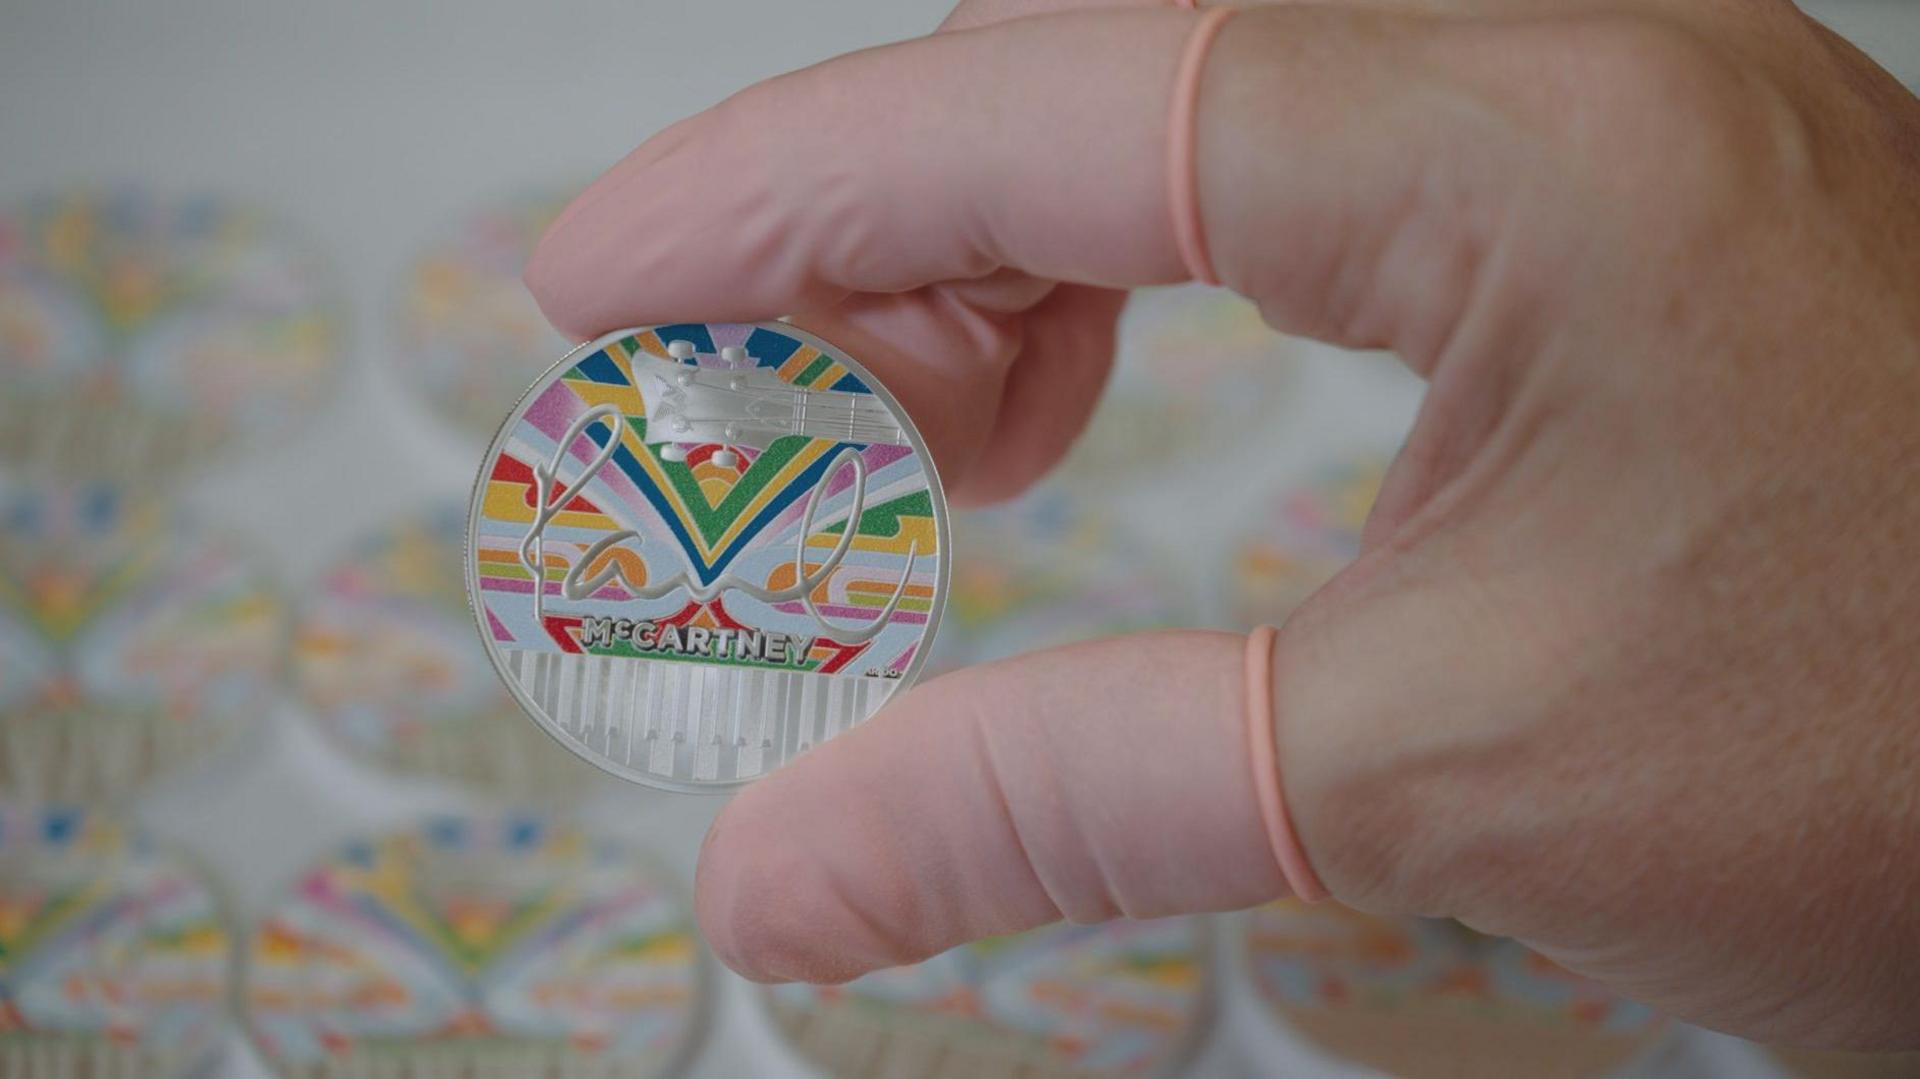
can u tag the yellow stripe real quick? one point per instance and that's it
(507, 500)
(626, 398)
(913, 530)
(798, 362)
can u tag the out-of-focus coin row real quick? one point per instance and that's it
(143, 337)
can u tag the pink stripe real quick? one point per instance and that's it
(519, 587)
(903, 618)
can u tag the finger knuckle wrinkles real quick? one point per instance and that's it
(1411, 791)
(1350, 817)
(1660, 107)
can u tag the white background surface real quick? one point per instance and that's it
(372, 127)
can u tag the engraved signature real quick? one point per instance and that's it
(576, 585)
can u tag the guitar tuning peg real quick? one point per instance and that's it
(725, 458)
(680, 350)
(733, 355)
(673, 451)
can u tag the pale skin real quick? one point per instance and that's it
(1629, 666)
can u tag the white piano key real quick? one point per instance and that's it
(706, 746)
(663, 725)
(833, 720)
(567, 686)
(650, 716)
(753, 725)
(590, 699)
(642, 673)
(597, 722)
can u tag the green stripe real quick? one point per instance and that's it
(813, 371)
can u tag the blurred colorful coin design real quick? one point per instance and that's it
(114, 957)
(386, 661)
(1427, 998)
(144, 645)
(1196, 376)
(1299, 539)
(476, 945)
(468, 333)
(1046, 570)
(1124, 998)
(141, 334)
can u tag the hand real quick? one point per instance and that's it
(1628, 668)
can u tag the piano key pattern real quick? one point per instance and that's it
(691, 722)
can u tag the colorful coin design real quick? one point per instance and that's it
(386, 660)
(1426, 998)
(140, 334)
(469, 334)
(477, 945)
(1124, 998)
(114, 958)
(147, 646)
(697, 550)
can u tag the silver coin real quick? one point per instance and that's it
(697, 550)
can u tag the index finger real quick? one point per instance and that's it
(1038, 144)
(969, 14)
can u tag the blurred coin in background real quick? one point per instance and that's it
(115, 958)
(1197, 377)
(141, 334)
(483, 944)
(1123, 998)
(388, 663)
(147, 645)
(469, 337)
(26, 661)
(1298, 537)
(1430, 999)
(1048, 569)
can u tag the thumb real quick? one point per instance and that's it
(1087, 782)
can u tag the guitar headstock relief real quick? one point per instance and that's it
(697, 550)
